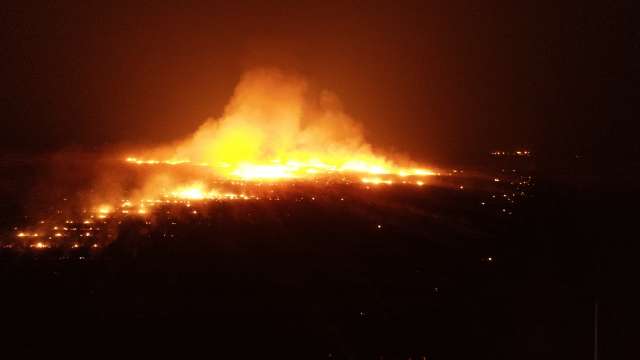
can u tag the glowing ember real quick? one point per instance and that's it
(193, 192)
(376, 181)
(103, 211)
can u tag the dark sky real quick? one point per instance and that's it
(437, 80)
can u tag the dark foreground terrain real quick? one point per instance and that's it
(394, 273)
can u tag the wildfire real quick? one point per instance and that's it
(272, 134)
(273, 129)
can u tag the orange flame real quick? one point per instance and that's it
(274, 129)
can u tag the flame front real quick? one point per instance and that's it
(274, 129)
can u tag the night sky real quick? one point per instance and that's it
(436, 80)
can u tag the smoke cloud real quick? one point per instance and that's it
(274, 116)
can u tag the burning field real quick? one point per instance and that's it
(275, 138)
(278, 216)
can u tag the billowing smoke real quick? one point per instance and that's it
(275, 117)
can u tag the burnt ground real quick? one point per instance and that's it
(391, 273)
